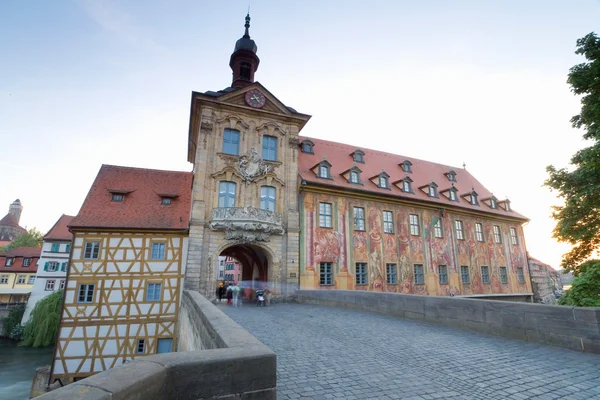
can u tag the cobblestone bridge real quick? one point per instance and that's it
(332, 353)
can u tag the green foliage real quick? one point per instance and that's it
(578, 220)
(16, 332)
(585, 291)
(31, 238)
(42, 327)
(13, 319)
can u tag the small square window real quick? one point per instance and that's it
(153, 291)
(21, 279)
(50, 284)
(166, 201)
(26, 262)
(31, 280)
(116, 197)
(158, 251)
(86, 294)
(92, 250)
(419, 277)
(392, 274)
(141, 346)
(55, 247)
(361, 274)
(3, 279)
(9, 261)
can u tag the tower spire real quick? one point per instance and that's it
(247, 25)
(243, 61)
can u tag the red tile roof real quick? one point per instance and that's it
(60, 230)
(19, 254)
(423, 173)
(141, 207)
(9, 220)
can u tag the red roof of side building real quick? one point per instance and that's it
(19, 254)
(339, 155)
(60, 230)
(141, 208)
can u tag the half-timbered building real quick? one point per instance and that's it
(126, 270)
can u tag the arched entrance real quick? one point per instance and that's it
(254, 264)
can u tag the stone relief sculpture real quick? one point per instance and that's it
(251, 166)
(247, 224)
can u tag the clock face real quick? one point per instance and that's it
(254, 98)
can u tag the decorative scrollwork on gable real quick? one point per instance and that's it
(233, 121)
(271, 127)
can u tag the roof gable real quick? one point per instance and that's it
(60, 230)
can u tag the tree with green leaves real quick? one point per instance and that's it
(31, 238)
(585, 291)
(42, 327)
(578, 220)
(12, 320)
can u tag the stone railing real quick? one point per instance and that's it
(231, 365)
(574, 328)
(246, 224)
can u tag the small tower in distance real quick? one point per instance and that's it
(15, 209)
(244, 61)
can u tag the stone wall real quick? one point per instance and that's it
(545, 280)
(570, 327)
(233, 365)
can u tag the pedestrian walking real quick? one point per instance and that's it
(236, 295)
(220, 291)
(229, 294)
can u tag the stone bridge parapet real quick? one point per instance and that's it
(574, 328)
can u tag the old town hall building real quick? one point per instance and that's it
(309, 213)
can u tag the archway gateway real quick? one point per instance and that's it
(254, 265)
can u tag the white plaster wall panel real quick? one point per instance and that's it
(58, 367)
(86, 366)
(137, 242)
(119, 254)
(114, 242)
(71, 284)
(72, 364)
(76, 348)
(91, 331)
(135, 268)
(76, 254)
(78, 332)
(116, 296)
(65, 332)
(144, 308)
(171, 309)
(158, 266)
(98, 365)
(78, 241)
(103, 330)
(70, 294)
(122, 329)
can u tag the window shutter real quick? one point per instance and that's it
(63, 267)
(46, 266)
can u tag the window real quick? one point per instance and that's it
(231, 142)
(451, 176)
(267, 198)
(419, 278)
(9, 261)
(479, 232)
(68, 248)
(227, 194)
(51, 266)
(86, 294)
(414, 224)
(359, 219)
(141, 346)
(507, 205)
(116, 197)
(354, 177)
(443, 272)
(392, 274)
(325, 219)
(307, 146)
(3, 279)
(62, 284)
(497, 235)
(452, 194)
(437, 229)
(324, 171)
(31, 280)
(26, 262)
(493, 203)
(406, 166)
(464, 272)
(269, 148)
(388, 222)
(485, 275)
(361, 274)
(406, 186)
(383, 181)
(244, 72)
(21, 279)
(460, 233)
(165, 345)
(153, 291)
(473, 199)
(221, 274)
(503, 275)
(520, 275)
(432, 191)
(92, 249)
(166, 201)
(513, 236)
(158, 251)
(50, 284)
(326, 274)
(359, 156)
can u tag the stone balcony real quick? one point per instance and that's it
(246, 224)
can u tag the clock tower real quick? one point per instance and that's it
(244, 61)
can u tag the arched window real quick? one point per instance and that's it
(267, 198)
(227, 191)
(245, 71)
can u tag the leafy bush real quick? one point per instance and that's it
(585, 291)
(42, 327)
(13, 319)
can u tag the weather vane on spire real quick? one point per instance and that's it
(247, 25)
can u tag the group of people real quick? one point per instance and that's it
(233, 293)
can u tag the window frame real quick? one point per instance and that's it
(62, 284)
(21, 279)
(432, 191)
(141, 342)
(391, 270)
(485, 281)
(225, 196)
(50, 284)
(453, 196)
(388, 222)
(326, 274)
(383, 182)
(443, 274)
(406, 187)
(354, 177)
(521, 275)
(413, 224)
(26, 262)
(159, 245)
(438, 231)
(4, 279)
(86, 293)
(31, 279)
(156, 286)
(359, 218)
(94, 250)
(503, 275)
(463, 269)
(362, 277)
(271, 143)
(228, 141)
(479, 233)
(268, 197)
(497, 234)
(117, 198)
(324, 218)
(324, 168)
(459, 228)
(166, 201)
(418, 271)
(514, 239)
(9, 261)
(55, 248)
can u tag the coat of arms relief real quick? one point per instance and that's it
(251, 166)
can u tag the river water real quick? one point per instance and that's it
(17, 368)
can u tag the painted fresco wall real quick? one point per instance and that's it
(344, 247)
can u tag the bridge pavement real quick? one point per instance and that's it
(332, 353)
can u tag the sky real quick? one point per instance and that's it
(90, 82)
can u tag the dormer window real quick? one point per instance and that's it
(307, 146)
(406, 166)
(451, 176)
(507, 205)
(493, 203)
(166, 201)
(473, 198)
(432, 190)
(406, 187)
(324, 171)
(354, 177)
(118, 197)
(383, 182)
(453, 196)
(359, 156)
